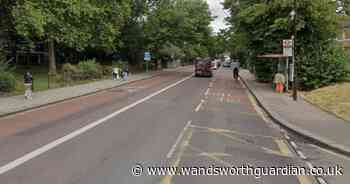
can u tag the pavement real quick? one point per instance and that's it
(301, 117)
(15, 104)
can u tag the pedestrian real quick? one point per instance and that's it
(28, 83)
(126, 72)
(279, 81)
(115, 73)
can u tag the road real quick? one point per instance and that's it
(172, 119)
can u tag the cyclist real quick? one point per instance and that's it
(235, 67)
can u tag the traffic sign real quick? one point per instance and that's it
(288, 48)
(147, 56)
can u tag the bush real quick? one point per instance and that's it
(264, 70)
(7, 82)
(151, 65)
(70, 72)
(90, 69)
(69, 69)
(119, 64)
(107, 70)
(323, 69)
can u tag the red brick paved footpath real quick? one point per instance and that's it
(301, 117)
(15, 104)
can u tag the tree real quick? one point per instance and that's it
(259, 26)
(133, 33)
(7, 31)
(75, 23)
(182, 23)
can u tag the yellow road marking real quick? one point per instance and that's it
(216, 154)
(218, 130)
(304, 180)
(168, 179)
(283, 147)
(249, 114)
(256, 107)
(211, 156)
(226, 133)
(267, 150)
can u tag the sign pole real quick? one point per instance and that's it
(295, 91)
(287, 72)
(295, 80)
(288, 52)
(147, 66)
(147, 58)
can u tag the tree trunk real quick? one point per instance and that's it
(52, 58)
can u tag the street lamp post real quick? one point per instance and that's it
(294, 77)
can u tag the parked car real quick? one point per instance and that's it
(203, 67)
(215, 64)
(227, 64)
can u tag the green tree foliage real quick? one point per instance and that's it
(259, 26)
(133, 34)
(90, 69)
(75, 23)
(171, 51)
(182, 23)
(7, 79)
(315, 74)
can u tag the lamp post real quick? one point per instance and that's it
(293, 15)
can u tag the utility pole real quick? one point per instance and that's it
(294, 71)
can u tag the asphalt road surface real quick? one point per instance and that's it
(173, 120)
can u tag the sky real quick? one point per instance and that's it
(217, 10)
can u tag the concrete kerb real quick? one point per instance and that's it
(82, 95)
(320, 141)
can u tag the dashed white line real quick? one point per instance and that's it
(207, 92)
(199, 106)
(171, 151)
(222, 97)
(309, 164)
(321, 180)
(293, 144)
(33, 154)
(301, 155)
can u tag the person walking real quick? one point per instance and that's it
(28, 83)
(125, 72)
(279, 81)
(115, 73)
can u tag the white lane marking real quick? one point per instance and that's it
(301, 154)
(199, 106)
(309, 164)
(207, 92)
(321, 180)
(171, 151)
(222, 97)
(19, 161)
(294, 145)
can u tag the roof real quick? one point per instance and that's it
(272, 56)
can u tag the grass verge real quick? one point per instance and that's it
(335, 99)
(40, 75)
